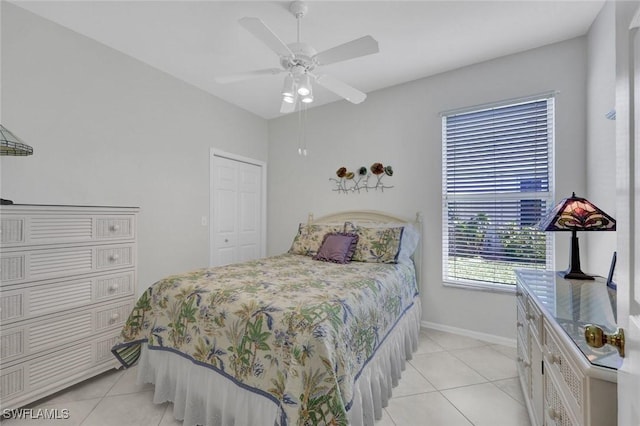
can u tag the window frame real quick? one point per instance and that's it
(548, 197)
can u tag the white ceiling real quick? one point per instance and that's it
(198, 40)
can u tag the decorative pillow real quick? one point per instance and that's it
(337, 248)
(376, 244)
(409, 243)
(309, 237)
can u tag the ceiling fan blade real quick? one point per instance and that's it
(260, 30)
(353, 49)
(340, 88)
(287, 107)
(223, 79)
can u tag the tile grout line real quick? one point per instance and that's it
(488, 379)
(450, 352)
(477, 372)
(457, 409)
(122, 373)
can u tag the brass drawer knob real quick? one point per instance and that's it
(597, 338)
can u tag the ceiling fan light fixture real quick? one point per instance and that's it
(289, 88)
(304, 85)
(308, 98)
(304, 91)
(290, 99)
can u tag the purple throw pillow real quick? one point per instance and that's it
(337, 247)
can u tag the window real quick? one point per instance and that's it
(497, 179)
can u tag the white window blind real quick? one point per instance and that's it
(497, 183)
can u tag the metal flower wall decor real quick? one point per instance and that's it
(363, 180)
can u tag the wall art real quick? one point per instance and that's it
(363, 179)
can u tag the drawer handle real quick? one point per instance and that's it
(554, 414)
(518, 293)
(114, 227)
(531, 316)
(113, 288)
(523, 362)
(115, 316)
(114, 257)
(519, 324)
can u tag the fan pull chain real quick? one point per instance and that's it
(300, 131)
(302, 138)
(304, 131)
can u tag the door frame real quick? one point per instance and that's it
(213, 152)
(628, 208)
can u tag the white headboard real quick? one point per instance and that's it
(372, 216)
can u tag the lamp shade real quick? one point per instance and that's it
(576, 214)
(10, 144)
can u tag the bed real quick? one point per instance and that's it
(303, 338)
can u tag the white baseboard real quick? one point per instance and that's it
(491, 338)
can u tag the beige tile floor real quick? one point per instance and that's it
(452, 380)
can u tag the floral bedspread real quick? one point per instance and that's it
(295, 330)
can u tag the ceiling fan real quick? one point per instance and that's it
(299, 61)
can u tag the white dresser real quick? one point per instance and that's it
(67, 285)
(565, 381)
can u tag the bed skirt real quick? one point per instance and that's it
(202, 396)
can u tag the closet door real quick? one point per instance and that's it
(237, 211)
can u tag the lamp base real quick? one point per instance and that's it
(575, 275)
(574, 272)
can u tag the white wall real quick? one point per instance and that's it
(401, 126)
(109, 130)
(601, 138)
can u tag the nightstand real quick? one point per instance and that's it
(565, 381)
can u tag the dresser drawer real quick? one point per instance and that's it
(42, 375)
(524, 365)
(558, 363)
(114, 227)
(522, 325)
(56, 331)
(26, 301)
(64, 227)
(534, 317)
(112, 316)
(556, 411)
(108, 257)
(20, 266)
